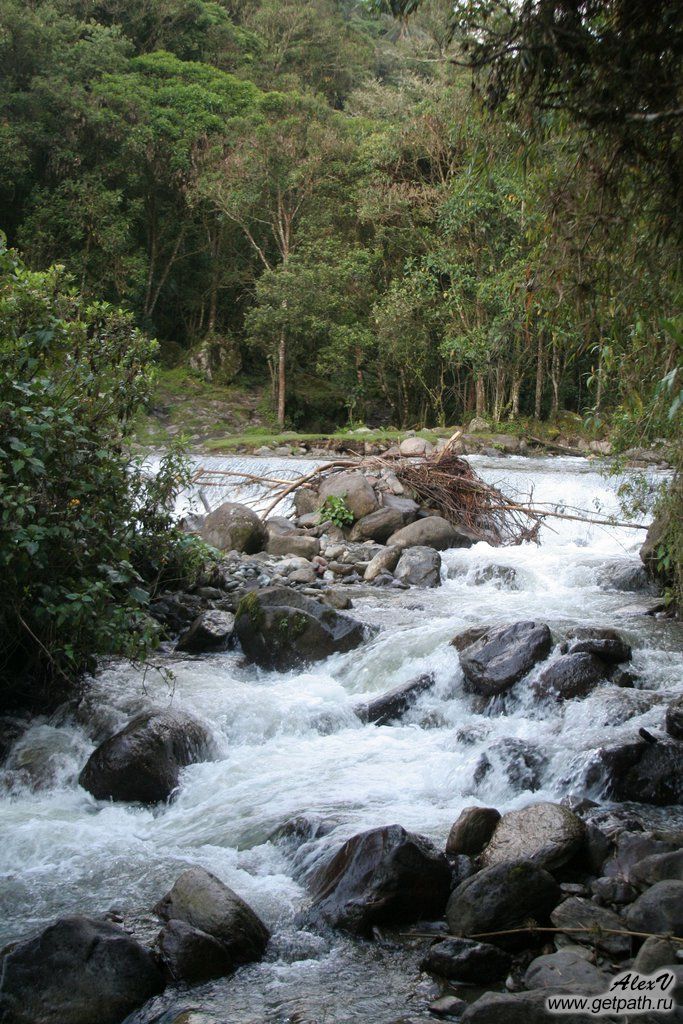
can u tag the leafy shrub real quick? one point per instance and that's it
(337, 511)
(86, 533)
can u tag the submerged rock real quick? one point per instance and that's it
(472, 831)
(504, 896)
(142, 762)
(76, 971)
(394, 703)
(520, 761)
(383, 876)
(419, 567)
(210, 631)
(280, 628)
(467, 960)
(503, 655)
(201, 900)
(546, 834)
(234, 527)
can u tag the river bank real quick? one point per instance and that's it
(297, 772)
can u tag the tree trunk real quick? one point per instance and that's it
(515, 388)
(281, 378)
(555, 376)
(539, 377)
(481, 396)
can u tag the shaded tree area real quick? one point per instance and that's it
(313, 190)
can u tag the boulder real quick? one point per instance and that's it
(599, 923)
(467, 637)
(142, 762)
(503, 655)
(353, 487)
(411, 447)
(234, 527)
(478, 425)
(572, 675)
(503, 896)
(378, 525)
(520, 1008)
(624, 575)
(433, 532)
(211, 631)
(605, 643)
(444, 1006)
(306, 500)
(546, 834)
(277, 525)
(631, 848)
(419, 567)
(293, 543)
(472, 831)
(521, 762)
(674, 718)
(655, 953)
(394, 704)
(76, 971)
(202, 901)
(658, 867)
(383, 876)
(467, 960)
(654, 775)
(406, 506)
(384, 561)
(568, 970)
(191, 955)
(281, 628)
(659, 910)
(649, 552)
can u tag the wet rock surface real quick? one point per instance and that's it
(419, 567)
(572, 675)
(501, 897)
(546, 834)
(467, 960)
(503, 655)
(472, 831)
(393, 705)
(142, 762)
(210, 631)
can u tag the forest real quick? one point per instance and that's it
(316, 195)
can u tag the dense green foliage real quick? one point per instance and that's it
(85, 536)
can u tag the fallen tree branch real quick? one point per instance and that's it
(584, 930)
(296, 484)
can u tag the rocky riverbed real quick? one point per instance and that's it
(379, 751)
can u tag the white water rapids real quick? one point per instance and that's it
(291, 745)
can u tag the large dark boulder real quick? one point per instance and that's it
(565, 971)
(519, 1008)
(472, 831)
(659, 910)
(281, 628)
(383, 876)
(142, 762)
(394, 703)
(293, 543)
(210, 631)
(379, 525)
(547, 834)
(76, 971)
(354, 488)
(191, 955)
(234, 527)
(601, 641)
(433, 532)
(599, 924)
(642, 772)
(572, 675)
(503, 655)
(501, 897)
(658, 867)
(467, 960)
(202, 901)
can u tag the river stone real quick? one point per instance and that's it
(142, 762)
(280, 628)
(394, 703)
(521, 762)
(503, 655)
(503, 896)
(630, 848)
(411, 447)
(623, 575)
(419, 567)
(378, 525)
(658, 910)
(467, 960)
(433, 532)
(546, 834)
(76, 971)
(384, 561)
(658, 868)
(472, 830)
(210, 631)
(191, 955)
(353, 487)
(520, 1008)
(201, 900)
(603, 642)
(674, 719)
(234, 527)
(581, 913)
(467, 637)
(383, 876)
(655, 778)
(306, 500)
(568, 970)
(572, 675)
(655, 953)
(293, 543)
(406, 506)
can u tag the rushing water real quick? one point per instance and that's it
(290, 745)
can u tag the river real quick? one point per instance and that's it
(290, 745)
